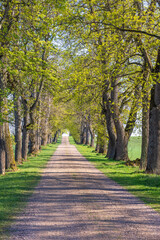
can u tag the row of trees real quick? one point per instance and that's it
(28, 78)
(113, 71)
(100, 58)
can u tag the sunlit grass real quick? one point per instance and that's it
(144, 186)
(15, 188)
(134, 148)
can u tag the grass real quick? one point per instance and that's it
(134, 148)
(144, 186)
(16, 187)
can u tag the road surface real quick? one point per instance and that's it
(75, 201)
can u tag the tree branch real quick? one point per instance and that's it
(134, 31)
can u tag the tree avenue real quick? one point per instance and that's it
(91, 67)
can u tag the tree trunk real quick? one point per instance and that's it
(111, 152)
(153, 161)
(102, 145)
(92, 138)
(83, 131)
(55, 137)
(2, 151)
(32, 141)
(44, 131)
(2, 132)
(87, 130)
(123, 134)
(121, 152)
(38, 144)
(97, 145)
(105, 147)
(87, 136)
(32, 133)
(10, 160)
(145, 138)
(84, 136)
(122, 147)
(5, 133)
(18, 130)
(37, 134)
(49, 138)
(145, 129)
(92, 141)
(44, 136)
(45, 121)
(101, 149)
(81, 134)
(25, 132)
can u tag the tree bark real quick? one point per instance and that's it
(38, 135)
(87, 134)
(102, 136)
(121, 152)
(2, 131)
(5, 133)
(10, 160)
(111, 152)
(6, 150)
(25, 131)
(32, 141)
(84, 136)
(49, 138)
(83, 131)
(44, 135)
(2, 151)
(92, 137)
(37, 131)
(55, 137)
(18, 130)
(145, 122)
(45, 121)
(97, 145)
(153, 162)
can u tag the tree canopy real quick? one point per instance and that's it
(91, 66)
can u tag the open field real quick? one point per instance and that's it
(134, 148)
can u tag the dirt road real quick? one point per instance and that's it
(75, 201)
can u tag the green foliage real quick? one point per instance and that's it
(99, 55)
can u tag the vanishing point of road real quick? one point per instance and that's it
(75, 201)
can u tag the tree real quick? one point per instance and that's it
(26, 53)
(8, 17)
(102, 26)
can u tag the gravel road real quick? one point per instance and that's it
(75, 201)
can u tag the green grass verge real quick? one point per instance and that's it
(144, 186)
(16, 187)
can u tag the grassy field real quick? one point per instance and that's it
(134, 148)
(15, 188)
(144, 186)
